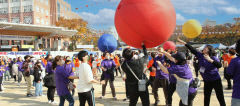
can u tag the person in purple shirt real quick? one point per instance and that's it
(108, 66)
(62, 77)
(69, 67)
(180, 69)
(2, 70)
(161, 79)
(234, 71)
(172, 81)
(20, 70)
(209, 65)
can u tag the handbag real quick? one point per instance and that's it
(196, 83)
(71, 86)
(142, 84)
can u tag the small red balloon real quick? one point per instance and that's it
(76, 8)
(86, 5)
(148, 21)
(169, 45)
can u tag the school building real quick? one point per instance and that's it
(28, 24)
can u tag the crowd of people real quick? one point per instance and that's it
(167, 69)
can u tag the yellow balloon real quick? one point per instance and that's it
(192, 28)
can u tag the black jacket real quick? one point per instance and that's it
(137, 67)
(37, 74)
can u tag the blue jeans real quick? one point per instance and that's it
(69, 99)
(235, 102)
(38, 89)
(7, 75)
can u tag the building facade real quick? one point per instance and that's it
(36, 13)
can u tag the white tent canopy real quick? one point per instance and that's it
(219, 46)
(233, 46)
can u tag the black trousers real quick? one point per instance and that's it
(151, 79)
(15, 78)
(227, 77)
(217, 86)
(135, 94)
(111, 86)
(127, 91)
(1, 79)
(87, 96)
(196, 69)
(190, 99)
(160, 83)
(50, 93)
(118, 70)
(171, 90)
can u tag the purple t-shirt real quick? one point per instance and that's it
(1, 72)
(49, 69)
(182, 71)
(108, 64)
(210, 71)
(159, 73)
(61, 77)
(20, 64)
(234, 70)
(69, 67)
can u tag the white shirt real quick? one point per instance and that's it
(85, 77)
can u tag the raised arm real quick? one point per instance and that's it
(168, 55)
(164, 69)
(192, 50)
(144, 59)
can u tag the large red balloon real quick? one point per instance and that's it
(148, 21)
(169, 45)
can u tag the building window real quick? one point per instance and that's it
(38, 20)
(48, 43)
(26, 42)
(16, 42)
(3, 20)
(44, 42)
(15, 0)
(3, 10)
(58, 9)
(16, 20)
(15, 9)
(37, 9)
(42, 21)
(4, 42)
(41, 0)
(27, 20)
(28, 8)
(3, 1)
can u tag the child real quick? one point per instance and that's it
(38, 78)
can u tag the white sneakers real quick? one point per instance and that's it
(49, 101)
(54, 103)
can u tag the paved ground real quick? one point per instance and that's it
(15, 96)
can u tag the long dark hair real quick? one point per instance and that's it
(211, 51)
(36, 65)
(56, 59)
(48, 57)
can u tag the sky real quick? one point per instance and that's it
(100, 13)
